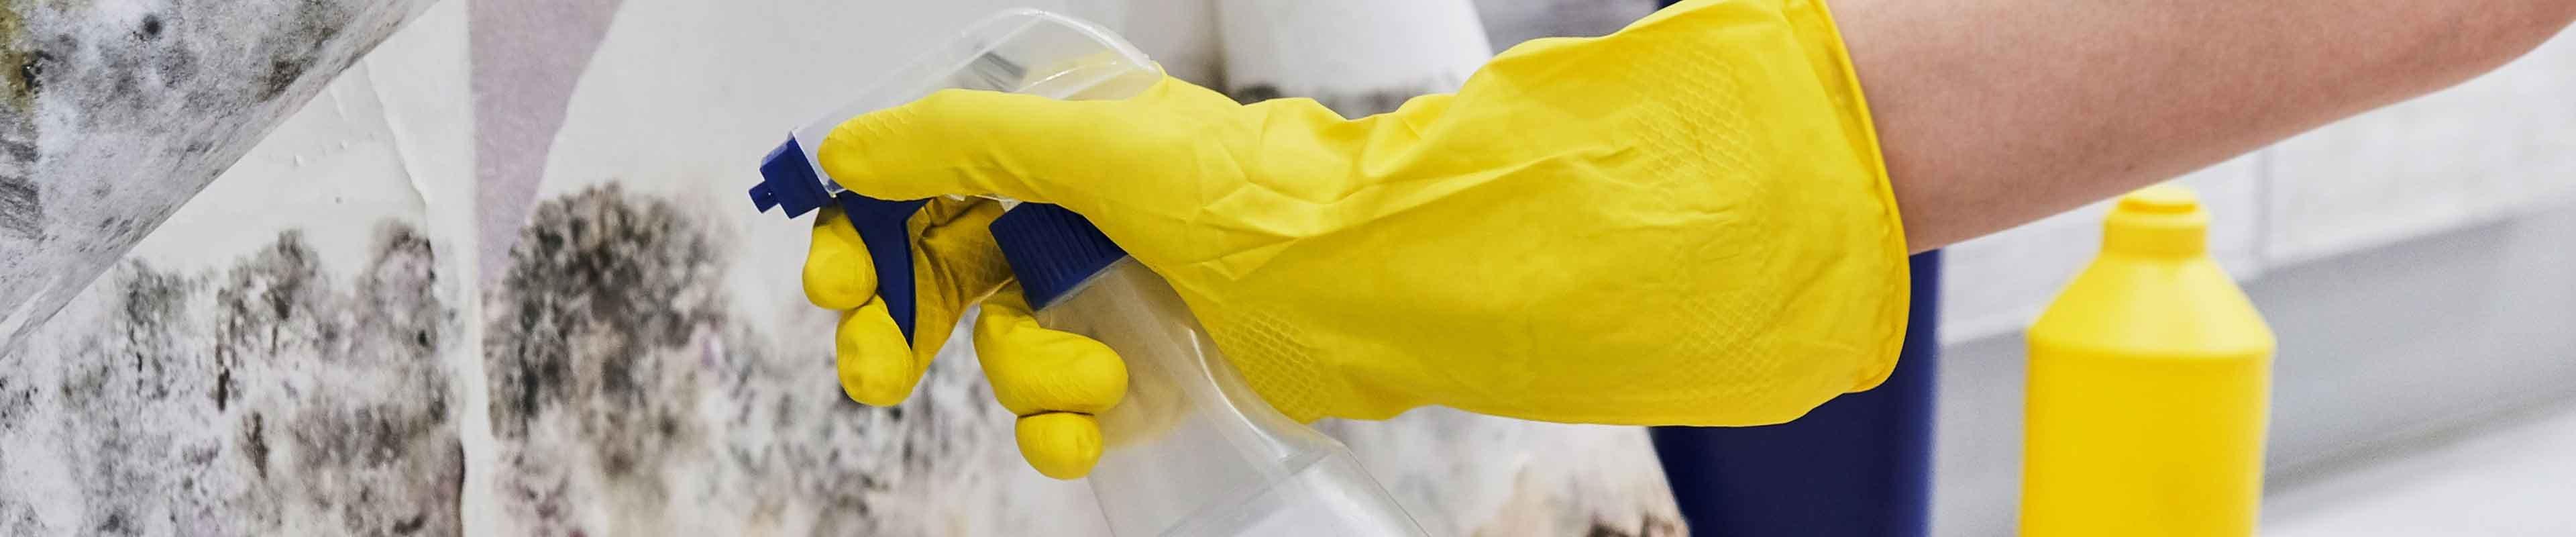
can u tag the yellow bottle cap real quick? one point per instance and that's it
(2163, 220)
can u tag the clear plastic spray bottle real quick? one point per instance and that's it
(1191, 450)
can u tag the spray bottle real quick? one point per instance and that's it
(1191, 450)
(2150, 377)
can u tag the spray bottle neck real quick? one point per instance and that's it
(2161, 221)
(1052, 250)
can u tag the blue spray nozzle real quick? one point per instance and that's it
(883, 227)
(788, 181)
(1023, 51)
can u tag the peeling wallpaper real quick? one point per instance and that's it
(114, 113)
(291, 353)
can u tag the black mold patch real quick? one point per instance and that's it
(180, 64)
(18, 518)
(20, 208)
(254, 443)
(265, 398)
(282, 72)
(31, 73)
(597, 280)
(174, 67)
(602, 289)
(298, 46)
(16, 402)
(615, 368)
(18, 150)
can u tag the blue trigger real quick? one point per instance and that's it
(882, 226)
(789, 183)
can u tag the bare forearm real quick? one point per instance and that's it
(1997, 112)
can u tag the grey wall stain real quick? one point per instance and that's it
(598, 279)
(263, 398)
(21, 202)
(18, 518)
(19, 205)
(610, 345)
(297, 46)
(16, 401)
(602, 298)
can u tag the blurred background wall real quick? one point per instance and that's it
(2418, 264)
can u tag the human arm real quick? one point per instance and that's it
(1683, 223)
(1993, 113)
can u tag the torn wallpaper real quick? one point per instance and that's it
(291, 353)
(115, 113)
(500, 279)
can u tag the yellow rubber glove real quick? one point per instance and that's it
(1055, 381)
(1685, 222)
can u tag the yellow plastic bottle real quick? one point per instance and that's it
(2150, 380)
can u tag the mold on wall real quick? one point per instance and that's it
(263, 397)
(627, 398)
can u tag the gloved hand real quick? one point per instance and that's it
(1055, 381)
(1685, 222)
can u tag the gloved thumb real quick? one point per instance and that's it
(967, 142)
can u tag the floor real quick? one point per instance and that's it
(2514, 477)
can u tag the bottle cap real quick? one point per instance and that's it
(1052, 250)
(2160, 220)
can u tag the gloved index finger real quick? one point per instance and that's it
(787, 182)
(966, 143)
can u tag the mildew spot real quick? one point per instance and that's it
(21, 208)
(616, 366)
(298, 46)
(267, 392)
